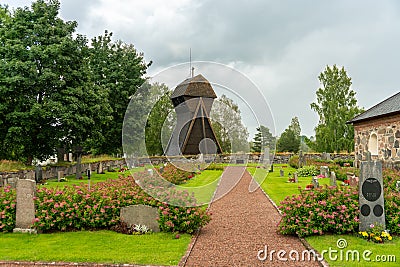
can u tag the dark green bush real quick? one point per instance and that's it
(308, 171)
(215, 166)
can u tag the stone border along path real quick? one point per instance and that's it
(242, 224)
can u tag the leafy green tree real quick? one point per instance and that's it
(49, 98)
(42, 63)
(336, 104)
(159, 125)
(295, 126)
(118, 69)
(262, 139)
(290, 138)
(227, 124)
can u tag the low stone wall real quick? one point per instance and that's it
(50, 172)
(279, 158)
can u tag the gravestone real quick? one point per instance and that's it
(100, 168)
(266, 160)
(296, 177)
(302, 160)
(272, 168)
(398, 186)
(140, 214)
(70, 157)
(60, 174)
(201, 157)
(315, 182)
(328, 156)
(38, 173)
(323, 156)
(281, 173)
(333, 179)
(372, 209)
(354, 180)
(150, 172)
(161, 169)
(324, 170)
(25, 213)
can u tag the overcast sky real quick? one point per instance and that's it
(282, 46)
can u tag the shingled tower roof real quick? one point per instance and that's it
(387, 107)
(197, 86)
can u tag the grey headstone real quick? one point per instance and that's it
(25, 204)
(371, 201)
(70, 157)
(315, 182)
(281, 173)
(100, 168)
(398, 186)
(266, 160)
(328, 156)
(162, 169)
(333, 179)
(296, 177)
(302, 160)
(150, 172)
(38, 173)
(324, 170)
(140, 214)
(60, 174)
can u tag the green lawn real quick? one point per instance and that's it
(378, 251)
(203, 185)
(278, 188)
(99, 247)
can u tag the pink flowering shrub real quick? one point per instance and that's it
(392, 200)
(175, 175)
(321, 210)
(7, 209)
(76, 208)
(182, 219)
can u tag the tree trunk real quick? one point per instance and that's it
(60, 154)
(29, 160)
(78, 166)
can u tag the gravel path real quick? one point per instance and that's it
(242, 224)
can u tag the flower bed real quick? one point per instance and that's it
(336, 209)
(175, 175)
(320, 210)
(7, 209)
(77, 208)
